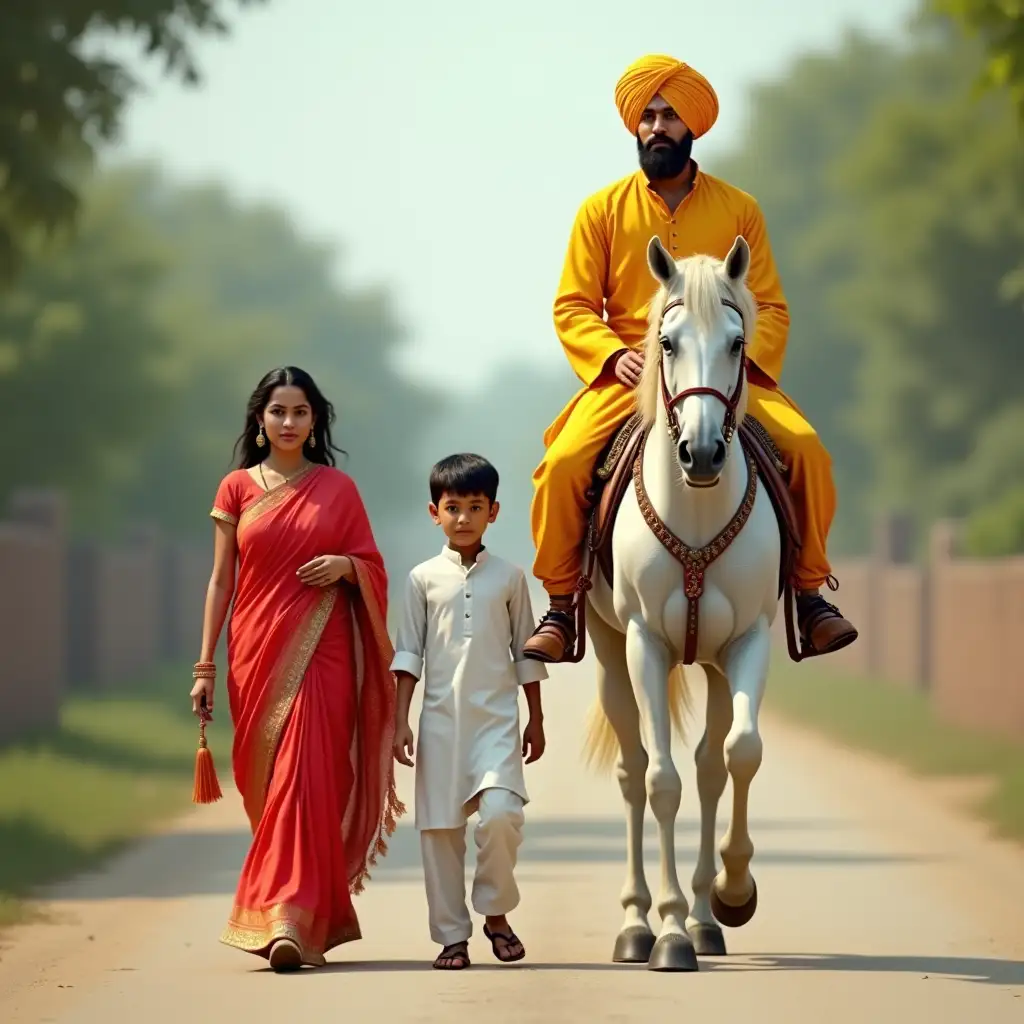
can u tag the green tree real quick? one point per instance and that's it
(802, 128)
(248, 293)
(999, 24)
(81, 382)
(62, 94)
(990, 486)
(998, 528)
(491, 421)
(937, 186)
(894, 195)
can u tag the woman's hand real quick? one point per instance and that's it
(202, 689)
(326, 569)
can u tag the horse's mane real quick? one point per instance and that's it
(704, 283)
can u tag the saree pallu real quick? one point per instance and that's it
(312, 701)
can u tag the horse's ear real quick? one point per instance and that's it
(737, 263)
(663, 267)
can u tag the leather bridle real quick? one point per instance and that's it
(731, 402)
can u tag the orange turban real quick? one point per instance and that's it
(687, 91)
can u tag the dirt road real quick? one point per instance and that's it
(877, 903)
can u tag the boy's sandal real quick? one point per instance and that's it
(502, 953)
(456, 955)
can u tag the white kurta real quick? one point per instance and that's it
(462, 633)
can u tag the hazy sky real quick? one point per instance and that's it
(445, 147)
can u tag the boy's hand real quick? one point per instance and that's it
(403, 746)
(533, 740)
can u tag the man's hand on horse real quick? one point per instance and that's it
(628, 368)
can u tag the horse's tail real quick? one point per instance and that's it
(601, 747)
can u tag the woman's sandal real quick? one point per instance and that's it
(457, 952)
(285, 956)
(509, 939)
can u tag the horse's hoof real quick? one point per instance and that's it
(730, 916)
(633, 946)
(673, 952)
(708, 939)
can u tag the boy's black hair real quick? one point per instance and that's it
(462, 475)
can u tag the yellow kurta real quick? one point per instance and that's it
(601, 308)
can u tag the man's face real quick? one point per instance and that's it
(663, 141)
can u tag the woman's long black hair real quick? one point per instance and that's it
(249, 453)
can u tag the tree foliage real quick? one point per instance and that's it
(938, 181)
(128, 352)
(894, 194)
(247, 293)
(80, 351)
(999, 24)
(504, 420)
(62, 94)
(802, 127)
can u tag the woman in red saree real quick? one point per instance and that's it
(309, 687)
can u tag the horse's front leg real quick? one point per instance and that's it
(745, 662)
(711, 778)
(635, 940)
(649, 663)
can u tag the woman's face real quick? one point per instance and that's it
(288, 418)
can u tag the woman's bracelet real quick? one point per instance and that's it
(204, 670)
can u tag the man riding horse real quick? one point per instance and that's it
(665, 104)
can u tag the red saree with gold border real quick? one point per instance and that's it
(312, 701)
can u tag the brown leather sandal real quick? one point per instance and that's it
(453, 958)
(501, 953)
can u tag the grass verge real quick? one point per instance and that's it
(900, 724)
(117, 765)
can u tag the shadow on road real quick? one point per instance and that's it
(207, 863)
(401, 966)
(975, 969)
(970, 969)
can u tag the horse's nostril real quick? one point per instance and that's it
(684, 453)
(719, 458)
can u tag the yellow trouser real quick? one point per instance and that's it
(565, 474)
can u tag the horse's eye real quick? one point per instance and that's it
(737, 345)
(666, 344)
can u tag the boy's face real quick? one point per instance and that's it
(464, 517)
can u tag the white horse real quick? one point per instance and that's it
(691, 396)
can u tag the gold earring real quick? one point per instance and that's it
(311, 440)
(260, 439)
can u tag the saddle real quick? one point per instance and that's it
(613, 474)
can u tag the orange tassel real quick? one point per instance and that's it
(206, 789)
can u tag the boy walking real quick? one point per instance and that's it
(466, 616)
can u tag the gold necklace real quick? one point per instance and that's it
(284, 479)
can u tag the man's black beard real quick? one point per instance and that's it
(665, 161)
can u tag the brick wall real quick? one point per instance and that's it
(947, 628)
(86, 614)
(97, 615)
(32, 621)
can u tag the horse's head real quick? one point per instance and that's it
(700, 322)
